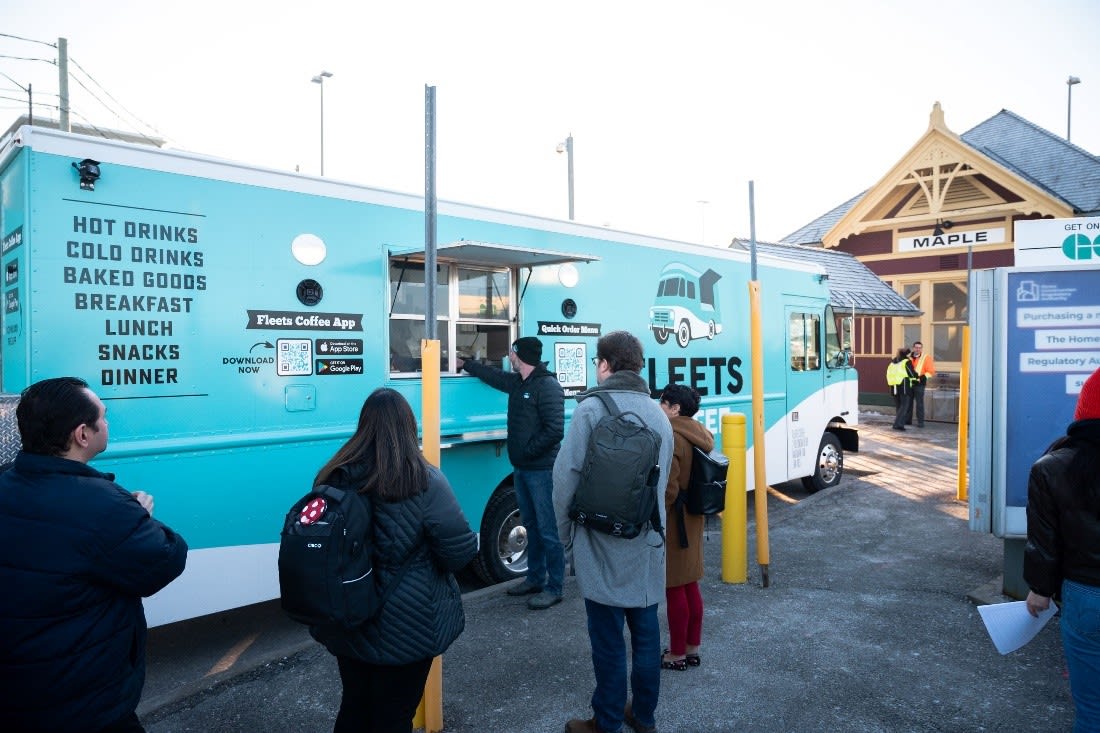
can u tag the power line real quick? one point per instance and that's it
(27, 58)
(93, 80)
(28, 40)
(108, 108)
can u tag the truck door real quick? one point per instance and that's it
(805, 397)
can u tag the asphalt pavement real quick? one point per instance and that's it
(869, 623)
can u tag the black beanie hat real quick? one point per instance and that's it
(529, 350)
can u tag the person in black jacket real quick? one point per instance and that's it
(385, 663)
(536, 425)
(1062, 555)
(77, 554)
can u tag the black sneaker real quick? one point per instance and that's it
(524, 589)
(543, 601)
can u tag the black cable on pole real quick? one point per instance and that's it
(28, 40)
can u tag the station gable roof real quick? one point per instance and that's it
(1005, 165)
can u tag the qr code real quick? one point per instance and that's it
(295, 357)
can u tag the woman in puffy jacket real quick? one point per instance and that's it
(683, 560)
(1062, 555)
(384, 663)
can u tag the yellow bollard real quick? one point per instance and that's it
(735, 533)
(962, 491)
(429, 715)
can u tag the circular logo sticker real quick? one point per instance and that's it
(313, 511)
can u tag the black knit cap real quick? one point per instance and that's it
(528, 349)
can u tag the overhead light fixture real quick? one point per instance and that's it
(941, 224)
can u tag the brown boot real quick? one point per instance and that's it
(582, 726)
(632, 722)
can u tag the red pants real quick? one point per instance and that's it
(685, 617)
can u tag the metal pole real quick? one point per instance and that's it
(30, 105)
(63, 82)
(569, 155)
(752, 231)
(429, 211)
(1070, 82)
(1069, 107)
(322, 126)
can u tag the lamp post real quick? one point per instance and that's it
(567, 148)
(702, 220)
(1069, 100)
(320, 79)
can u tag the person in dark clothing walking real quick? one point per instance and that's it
(77, 554)
(385, 662)
(536, 425)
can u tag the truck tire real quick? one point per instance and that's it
(683, 334)
(502, 555)
(661, 334)
(829, 466)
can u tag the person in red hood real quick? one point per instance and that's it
(1062, 555)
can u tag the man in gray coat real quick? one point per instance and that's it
(620, 579)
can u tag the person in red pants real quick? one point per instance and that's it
(684, 553)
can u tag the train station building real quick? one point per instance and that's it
(949, 205)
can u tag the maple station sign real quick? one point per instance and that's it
(951, 239)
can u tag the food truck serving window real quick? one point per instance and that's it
(473, 308)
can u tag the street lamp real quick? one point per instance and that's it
(702, 220)
(320, 79)
(567, 148)
(1069, 100)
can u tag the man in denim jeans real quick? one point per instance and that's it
(536, 423)
(621, 580)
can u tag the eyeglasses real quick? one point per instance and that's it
(595, 361)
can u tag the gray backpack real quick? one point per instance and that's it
(618, 490)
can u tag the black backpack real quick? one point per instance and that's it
(618, 491)
(326, 560)
(706, 490)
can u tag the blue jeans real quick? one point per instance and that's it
(1081, 639)
(605, 631)
(545, 555)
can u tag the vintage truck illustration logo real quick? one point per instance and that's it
(686, 305)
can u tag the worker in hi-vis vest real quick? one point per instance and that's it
(924, 368)
(900, 376)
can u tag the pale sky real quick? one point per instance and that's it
(669, 103)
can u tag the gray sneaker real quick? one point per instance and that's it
(543, 601)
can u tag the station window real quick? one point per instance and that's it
(804, 330)
(473, 311)
(950, 304)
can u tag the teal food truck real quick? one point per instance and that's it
(234, 318)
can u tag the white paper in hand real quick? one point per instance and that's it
(1010, 626)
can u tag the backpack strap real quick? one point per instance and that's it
(681, 524)
(608, 403)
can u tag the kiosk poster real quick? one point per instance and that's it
(1053, 345)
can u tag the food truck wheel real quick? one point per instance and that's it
(503, 552)
(683, 334)
(829, 466)
(661, 334)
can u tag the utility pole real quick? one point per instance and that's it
(63, 82)
(30, 104)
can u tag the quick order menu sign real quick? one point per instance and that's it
(1052, 345)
